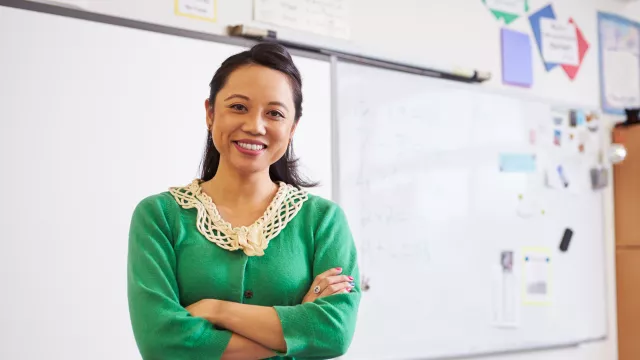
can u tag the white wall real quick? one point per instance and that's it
(449, 33)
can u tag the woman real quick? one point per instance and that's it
(242, 263)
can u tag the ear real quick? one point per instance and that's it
(293, 130)
(208, 108)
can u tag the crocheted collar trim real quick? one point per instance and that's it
(252, 239)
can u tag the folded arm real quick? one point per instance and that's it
(322, 328)
(163, 329)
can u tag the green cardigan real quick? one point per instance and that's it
(171, 265)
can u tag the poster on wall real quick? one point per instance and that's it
(560, 41)
(619, 63)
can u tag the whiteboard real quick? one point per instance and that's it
(420, 181)
(94, 117)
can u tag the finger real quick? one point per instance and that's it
(330, 272)
(337, 288)
(330, 280)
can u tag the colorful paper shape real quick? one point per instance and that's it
(534, 20)
(583, 45)
(507, 17)
(517, 67)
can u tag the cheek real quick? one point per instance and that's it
(281, 138)
(220, 132)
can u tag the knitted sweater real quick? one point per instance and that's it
(172, 265)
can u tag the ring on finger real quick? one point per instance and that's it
(316, 290)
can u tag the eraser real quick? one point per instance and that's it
(566, 239)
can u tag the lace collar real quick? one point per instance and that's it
(252, 239)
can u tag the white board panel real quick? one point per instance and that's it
(420, 181)
(93, 118)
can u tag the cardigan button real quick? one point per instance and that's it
(248, 294)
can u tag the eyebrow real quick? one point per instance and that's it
(278, 103)
(237, 96)
(244, 97)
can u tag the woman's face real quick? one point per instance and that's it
(252, 120)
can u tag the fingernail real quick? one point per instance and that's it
(349, 289)
(352, 284)
(350, 277)
(339, 268)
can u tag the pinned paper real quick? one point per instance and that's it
(532, 136)
(592, 122)
(571, 176)
(537, 276)
(556, 178)
(505, 309)
(196, 9)
(573, 118)
(557, 137)
(599, 177)
(581, 118)
(514, 162)
(559, 117)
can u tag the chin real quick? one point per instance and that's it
(248, 169)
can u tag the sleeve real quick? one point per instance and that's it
(324, 328)
(162, 328)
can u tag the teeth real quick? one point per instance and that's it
(253, 147)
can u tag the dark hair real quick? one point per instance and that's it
(276, 57)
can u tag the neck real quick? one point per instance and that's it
(229, 188)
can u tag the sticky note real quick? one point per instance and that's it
(515, 162)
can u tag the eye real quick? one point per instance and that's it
(275, 113)
(238, 107)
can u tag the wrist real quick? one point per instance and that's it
(212, 312)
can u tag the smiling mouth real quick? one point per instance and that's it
(250, 147)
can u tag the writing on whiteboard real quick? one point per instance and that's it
(322, 17)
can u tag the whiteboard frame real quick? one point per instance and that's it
(77, 13)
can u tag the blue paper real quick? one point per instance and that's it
(581, 118)
(534, 19)
(517, 67)
(514, 162)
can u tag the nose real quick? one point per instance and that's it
(254, 124)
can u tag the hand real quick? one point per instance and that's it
(205, 308)
(329, 283)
